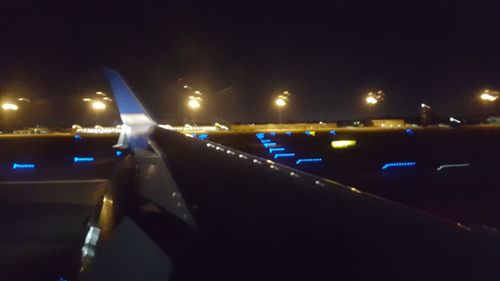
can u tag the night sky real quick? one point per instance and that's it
(241, 54)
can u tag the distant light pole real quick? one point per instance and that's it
(194, 104)
(281, 101)
(98, 104)
(425, 114)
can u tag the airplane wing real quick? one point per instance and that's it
(228, 215)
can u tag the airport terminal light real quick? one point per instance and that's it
(10, 106)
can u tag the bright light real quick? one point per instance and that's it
(307, 160)
(83, 159)
(488, 97)
(107, 99)
(374, 98)
(280, 102)
(24, 99)
(371, 100)
(343, 143)
(197, 92)
(98, 105)
(86, 99)
(100, 93)
(194, 103)
(445, 166)
(10, 106)
(22, 166)
(455, 120)
(278, 155)
(398, 164)
(423, 105)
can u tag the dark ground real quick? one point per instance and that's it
(469, 194)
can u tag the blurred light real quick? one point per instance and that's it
(398, 164)
(487, 96)
(194, 103)
(288, 133)
(16, 166)
(333, 133)
(10, 106)
(260, 135)
(100, 93)
(371, 100)
(272, 134)
(77, 137)
(271, 150)
(118, 153)
(343, 143)
(455, 120)
(92, 235)
(83, 159)
(203, 136)
(409, 131)
(280, 102)
(452, 166)
(374, 98)
(423, 105)
(107, 99)
(310, 133)
(355, 190)
(265, 140)
(307, 160)
(24, 99)
(86, 99)
(278, 155)
(197, 92)
(269, 144)
(98, 105)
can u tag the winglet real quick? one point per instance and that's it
(136, 119)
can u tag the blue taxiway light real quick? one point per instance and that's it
(265, 140)
(269, 144)
(306, 160)
(260, 135)
(409, 131)
(278, 155)
(398, 164)
(271, 150)
(77, 137)
(16, 166)
(333, 133)
(203, 136)
(118, 153)
(83, 159)
(288, 133)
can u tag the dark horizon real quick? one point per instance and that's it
(328, 55)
